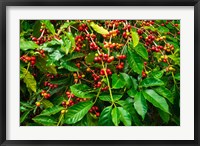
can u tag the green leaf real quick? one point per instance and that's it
(106, 97)
(141, 50)
(66, 45)
(27, 45)
(92, 120)
(162, 29)
(45, 120)
(49, 26)
(105, 118)
(132, 92)
(67, 24)
(140, 105)
(177, 76)
(28, 79)
(24, 116)
(135, 38)
(135, 62)
(46, 103)
(36, 29)
(74, 55)
(127, 79)
(175, 59)
(171, 38)
(150, 28)
(117, 81)
(69, 66)
(125, 117)
(90, 58)
(58, 100)
(115, 116)
(77, 112)
(157, 100)
(165, 93)
(150, 82)
(56, 55)
(81, 91)
(25, 104)
(41, 65)
(129, 107)
(135, 83)
(52, 110)
(98, 28)
(156, 74)
(71, 38)
(23, 109)
(164, 116)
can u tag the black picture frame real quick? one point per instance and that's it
(5, 3)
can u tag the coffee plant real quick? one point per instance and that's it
(99, 72)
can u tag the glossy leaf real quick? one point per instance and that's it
(164, 116)
(141, 50)
(41, 64)
(71, 38)
(129, 107)
(28, 79)
(69, 66)
(135, 62)
(162, 29)
(106, 97)
(56, 55)
(140, 105)
(105, 118)
(150, 82)
(125, 117)
(45, 120)
(77, 112)
(117, 81)
(132, 92)
(46, 103)
(90, 58)
(24, 116)
(28, 45)
(127, 79)
(52, 110)
(157, 100)
(36, 29)
(165, 93)
(156, 74)
(74, 55)
(81, 91)
(135, 38)
(98, 28)
(49, 26)
(115, 116)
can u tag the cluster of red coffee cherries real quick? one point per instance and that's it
(103, 57)
(82, 27)
(45, 94)
(155, 48)
(42, 53)
(95, 110)
(31, 59)
(112, 45)
(149, 39)
(79, 42)
(113, 22)
(112, 33)
(50, 85)
(93, 46)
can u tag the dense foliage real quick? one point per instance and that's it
(99, 72)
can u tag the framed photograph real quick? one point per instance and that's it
(99, 72)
